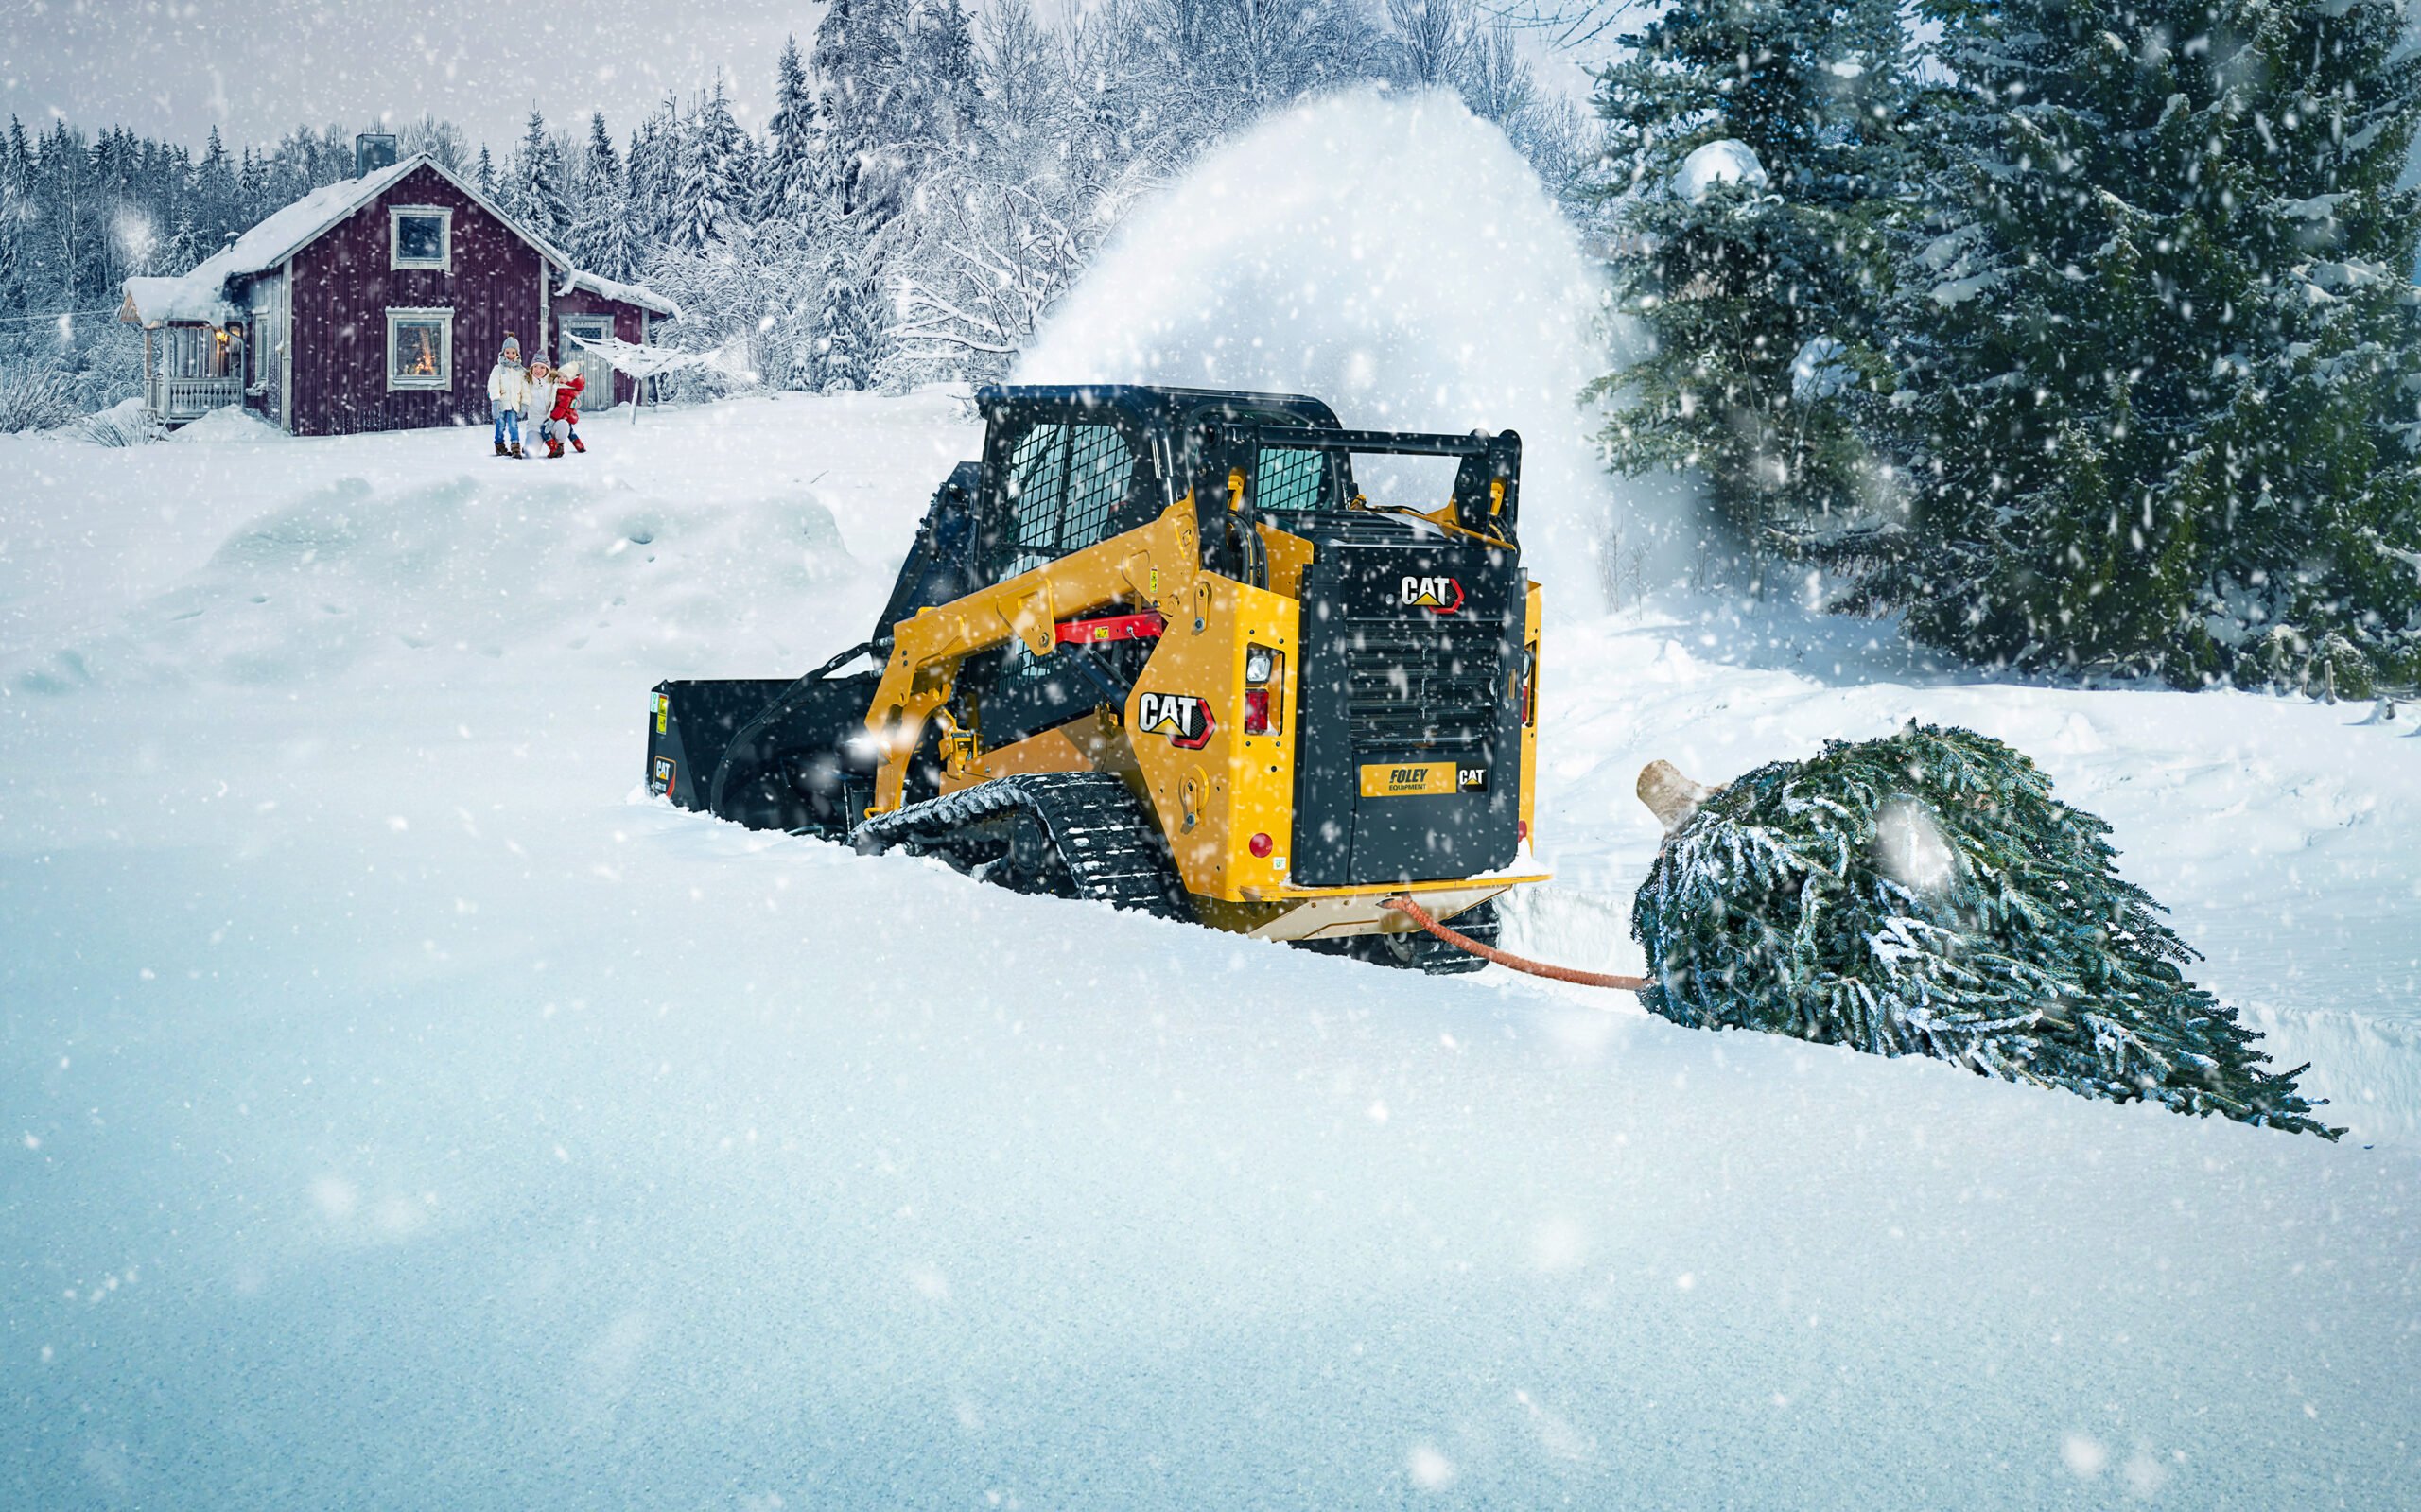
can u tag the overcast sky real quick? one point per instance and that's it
(258, 68)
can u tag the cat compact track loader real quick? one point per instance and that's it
(1157, 647)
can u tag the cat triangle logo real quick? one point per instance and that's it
(1183, 718)
(1439, 596)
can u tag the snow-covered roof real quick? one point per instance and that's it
(159, 301)
(638, 294)
(201, 295)
(288, 231)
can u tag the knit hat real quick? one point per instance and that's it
(512, 352)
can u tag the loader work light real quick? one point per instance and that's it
(1263, 667)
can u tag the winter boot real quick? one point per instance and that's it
(578, 445)
(554, 449)
(500, 449)
(517, 451)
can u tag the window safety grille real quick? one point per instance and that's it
(1065, 484)
(1290, 480)
(1099, 465)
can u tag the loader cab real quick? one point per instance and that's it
(1066, 467)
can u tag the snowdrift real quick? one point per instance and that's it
(424, 544)
(398, 1111)
(1394, 256)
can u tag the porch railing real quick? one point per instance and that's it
(188, 398)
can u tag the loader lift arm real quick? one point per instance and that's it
(1146, 568)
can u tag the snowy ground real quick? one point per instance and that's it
(400, 1114)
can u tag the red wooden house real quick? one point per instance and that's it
(375, 304)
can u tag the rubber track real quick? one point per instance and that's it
(1104, 838)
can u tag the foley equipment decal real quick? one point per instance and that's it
(1420, 779)
(1182, 716)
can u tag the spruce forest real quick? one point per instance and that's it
(2080, 333)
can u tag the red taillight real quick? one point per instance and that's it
(1262, 847)
(1524, 827)
(1256, 711)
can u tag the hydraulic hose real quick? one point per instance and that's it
(1504, 958)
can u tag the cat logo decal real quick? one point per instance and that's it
(1183, 718)
(1439, 596)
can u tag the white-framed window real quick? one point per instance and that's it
(420, 236)
(420, 349)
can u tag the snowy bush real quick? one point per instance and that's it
(1926, 894)
(127, 422)
(55, 372)
(35, 397)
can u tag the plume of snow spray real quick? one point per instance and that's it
(1393, 255)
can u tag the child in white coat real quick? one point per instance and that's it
(508, 393)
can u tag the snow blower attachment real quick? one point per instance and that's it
(1157, 648)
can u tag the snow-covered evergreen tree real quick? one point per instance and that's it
(185, 247)
(1753, 143)
(599, 238)
(252, 188)
(16, 211)
(484, 175)
(1926, 894)
(858, 51)
(786, 185)
(710, 190)
(2159, 346)
(535, 195)
(218, 206)
(845, 348)
(649, 176)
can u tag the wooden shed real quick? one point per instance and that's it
(375, 304)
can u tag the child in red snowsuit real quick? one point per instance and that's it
(565, 415)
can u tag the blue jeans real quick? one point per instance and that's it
(507, 421)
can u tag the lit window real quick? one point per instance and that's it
(420, 349)
(420, 236)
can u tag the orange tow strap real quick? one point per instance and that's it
(1487, 952)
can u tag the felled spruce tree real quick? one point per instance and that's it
(2156, 348)
(1926, 894)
